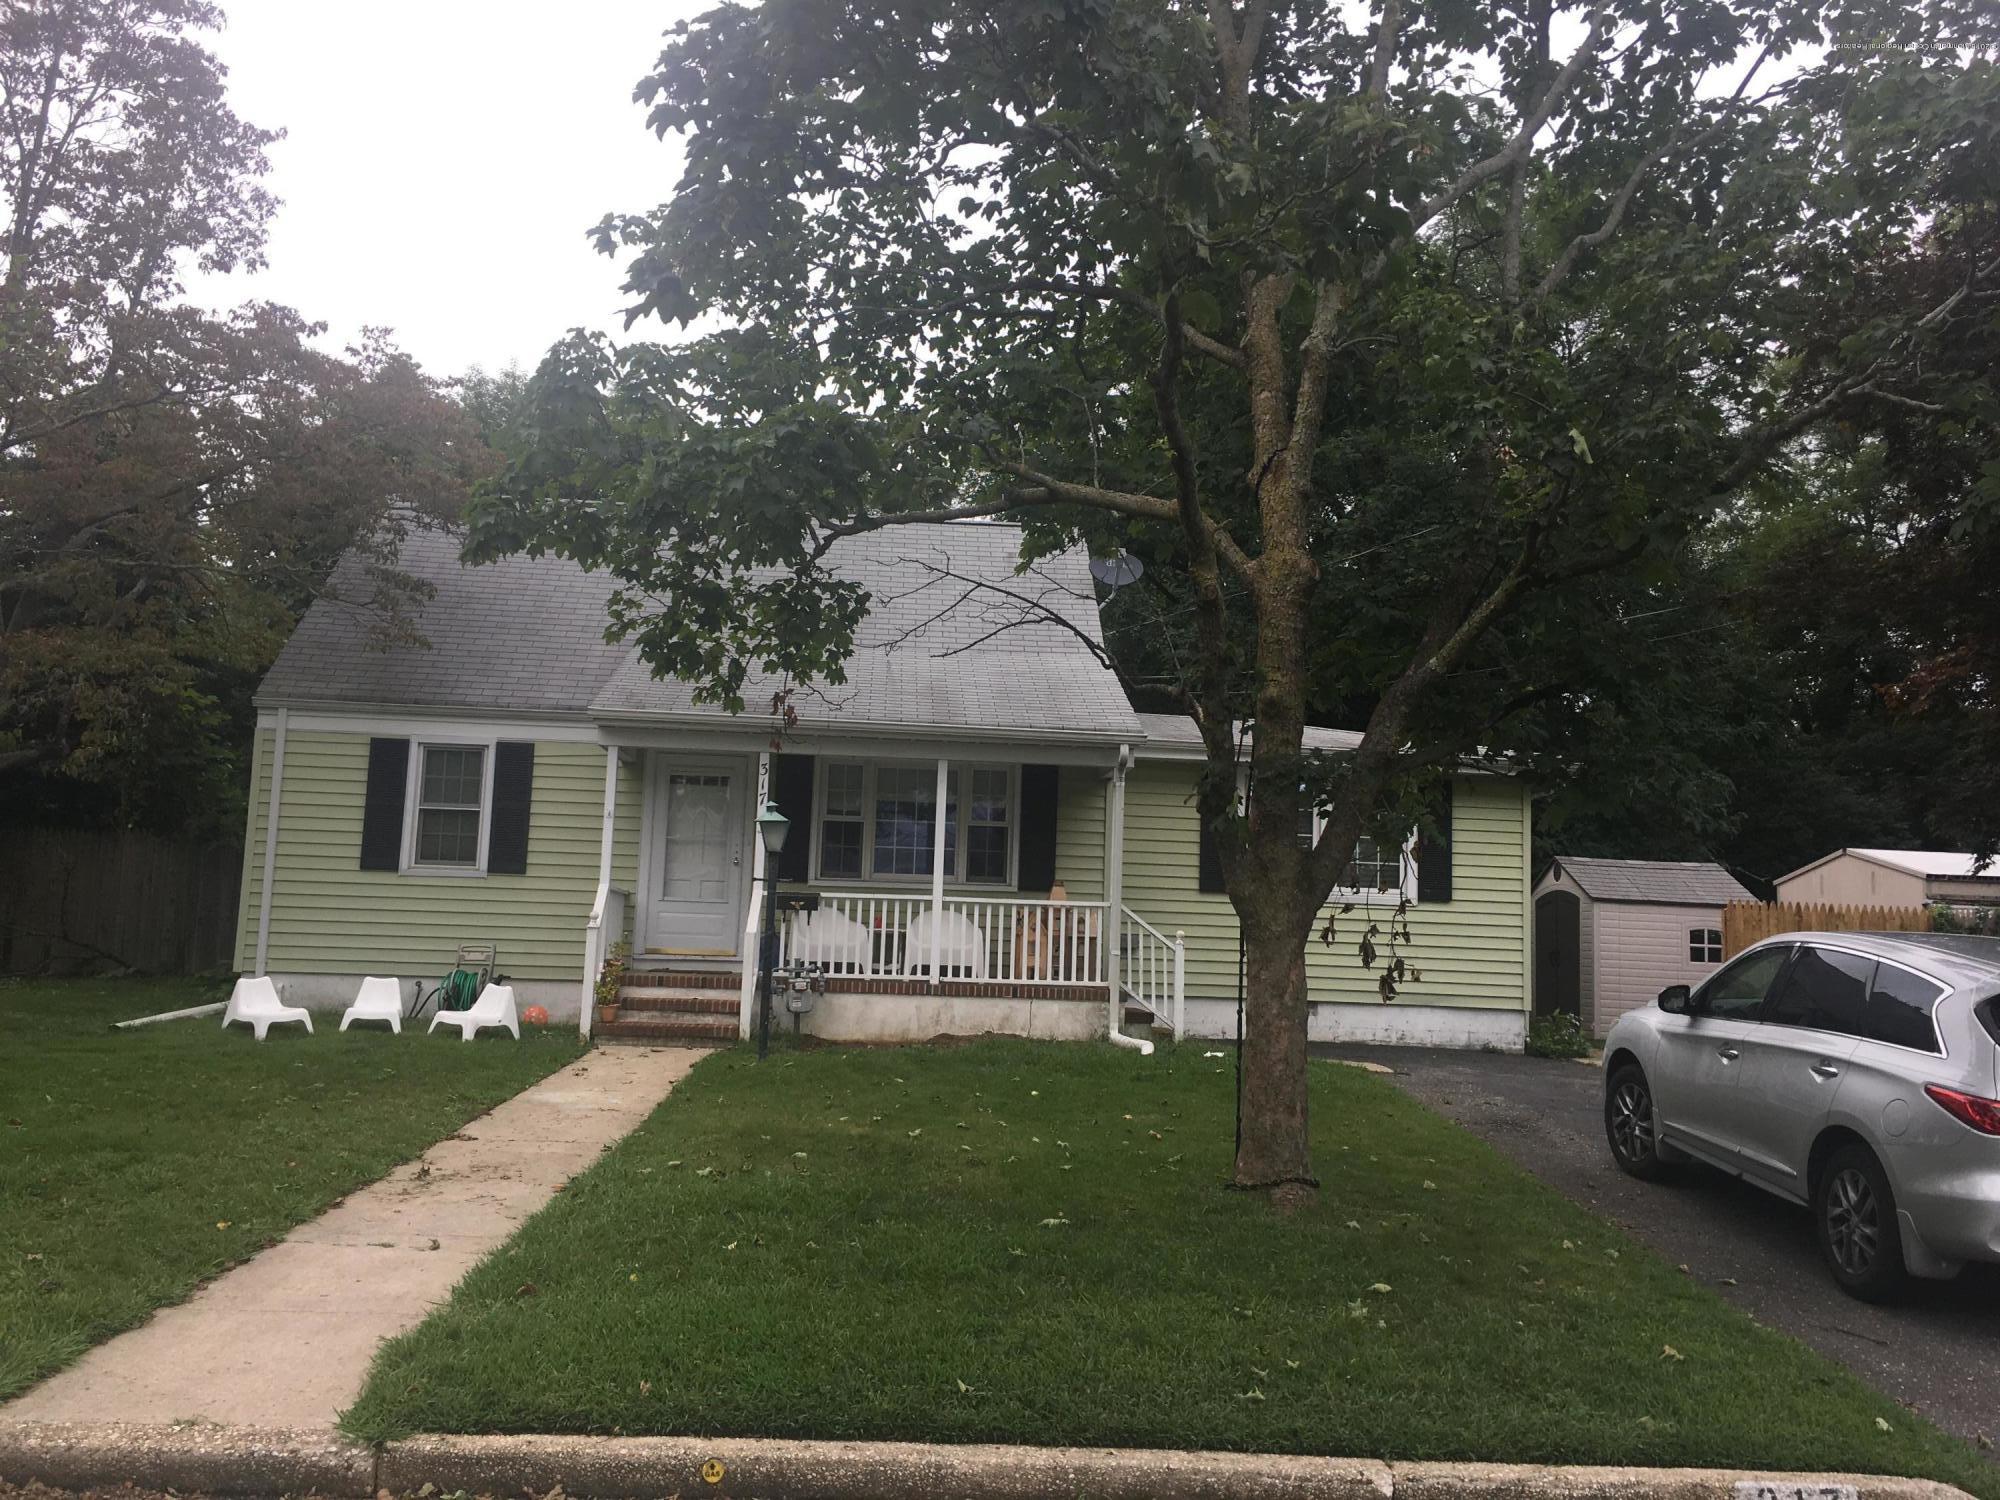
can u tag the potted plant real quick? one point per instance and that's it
(609, 980)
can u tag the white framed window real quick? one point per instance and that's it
(1704, 945)
(1379, 867)
(877, 821)
(450, 808)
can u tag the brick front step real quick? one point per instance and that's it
(690, 1002)
(684, 979)
(674, 1030)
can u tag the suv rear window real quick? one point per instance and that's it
(1988, 1011)
(1899, 1009)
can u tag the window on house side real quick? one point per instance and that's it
(841, 821)
(1377, 866)
(880, 822)
(451, 787)
(1704, 945)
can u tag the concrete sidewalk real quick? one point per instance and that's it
(285, 1340)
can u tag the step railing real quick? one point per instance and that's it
(1004, 940)
(604, 930)
(1152, 970)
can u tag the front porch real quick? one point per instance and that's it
(915, 897)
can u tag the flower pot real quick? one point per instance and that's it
(606, 1014)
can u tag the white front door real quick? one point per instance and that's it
(695, 857)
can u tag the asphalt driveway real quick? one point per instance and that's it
(1938, 1351)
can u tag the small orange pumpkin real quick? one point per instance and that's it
(536, 1015)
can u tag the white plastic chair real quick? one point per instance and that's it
(494, 1007)
(833, 940)
(255, 1002)
(378, 1000)
(960, 945)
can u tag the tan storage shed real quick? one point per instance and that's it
(1892, 877)
(1610, 934)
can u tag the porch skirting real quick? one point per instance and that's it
(853, 1016)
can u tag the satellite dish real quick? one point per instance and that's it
(1116, 571)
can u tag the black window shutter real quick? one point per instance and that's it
(513, 792)
(1208, 864)
(382, 804)
(1040, 789)
(1434, 853)
(792, 790)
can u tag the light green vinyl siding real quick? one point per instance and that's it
(1471, 950)
(329, 916)
(1080, 793)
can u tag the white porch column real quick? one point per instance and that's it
(937, 871)
(1114, 885)
(268, 879)
(594, 951)
(753, 920)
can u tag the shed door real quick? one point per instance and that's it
(1558, 948)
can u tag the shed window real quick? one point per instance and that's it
(451, 798)
(1704, 945)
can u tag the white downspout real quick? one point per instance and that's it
(1114, 903)
(271, 842)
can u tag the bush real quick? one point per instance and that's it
(1557, 1035)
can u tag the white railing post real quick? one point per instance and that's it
(1180, 983)
(937, 871)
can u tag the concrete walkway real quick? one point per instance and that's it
(285, 1340)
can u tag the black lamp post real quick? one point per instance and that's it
(772, 826)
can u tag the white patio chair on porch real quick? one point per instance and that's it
(494, 1007)
(833, 940)
(254, 1001)
(378, 1000)
(961, 946)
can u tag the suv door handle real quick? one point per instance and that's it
(1825, 1069)
(1729, 1054)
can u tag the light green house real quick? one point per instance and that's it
(513, 779)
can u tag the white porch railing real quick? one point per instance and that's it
(1009, 940)
(1152, 970)
(602, 932)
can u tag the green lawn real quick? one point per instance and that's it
(134, 1165)
(1029, 1243)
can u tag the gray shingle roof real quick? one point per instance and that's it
(955, 640)
(523, 635)
(1664, 882)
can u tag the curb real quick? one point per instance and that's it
(219, 1460)
(195, 1456)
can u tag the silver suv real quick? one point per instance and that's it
(1855, 1072)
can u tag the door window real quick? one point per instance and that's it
(1737, 993)
(1899, 1009)
(1826, 989)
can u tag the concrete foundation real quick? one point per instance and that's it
(1396, 1024)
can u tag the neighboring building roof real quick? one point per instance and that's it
(1930, 863)
(1177, 737)
(956, 640)
(1654, 881)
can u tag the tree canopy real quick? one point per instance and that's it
(174, 484)
(1415, 347)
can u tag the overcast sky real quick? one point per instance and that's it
(443, 161)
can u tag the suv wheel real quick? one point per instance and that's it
(1858, 1233)
(1629, 1123)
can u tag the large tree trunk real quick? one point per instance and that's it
(1274, 1152)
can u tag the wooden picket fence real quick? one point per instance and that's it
(1747, 922)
